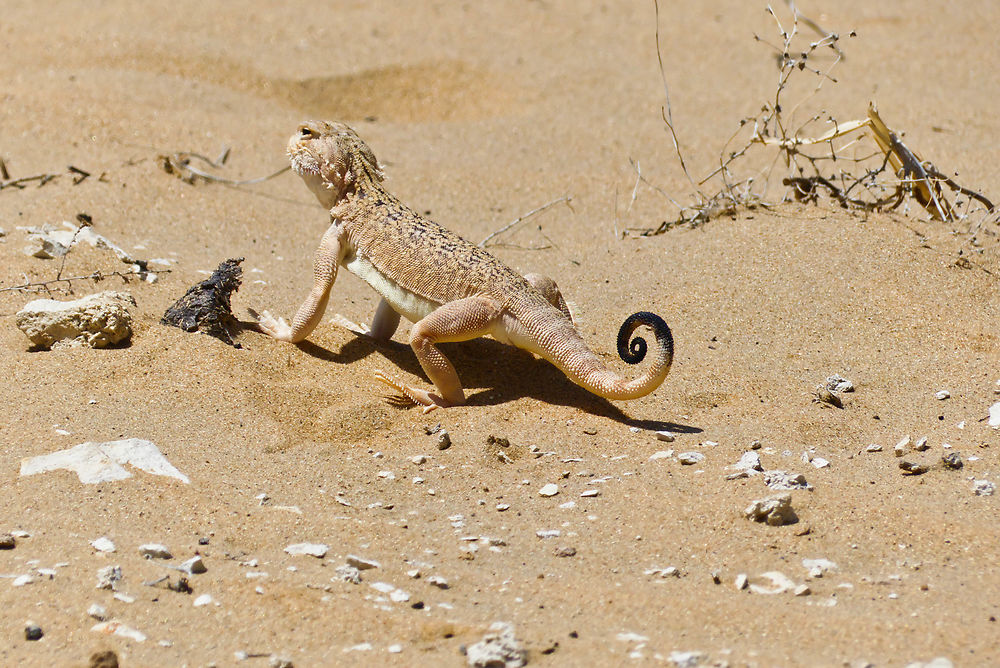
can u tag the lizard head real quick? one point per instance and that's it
(332, 159)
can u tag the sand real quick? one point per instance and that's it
(481, 113)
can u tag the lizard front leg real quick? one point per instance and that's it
(325, 264)
(459, 320)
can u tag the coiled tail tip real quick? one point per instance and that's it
(634, 351)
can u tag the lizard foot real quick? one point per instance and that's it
(414, 395)
(350, 325)
(275, 327)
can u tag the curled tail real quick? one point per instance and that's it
(570, 353)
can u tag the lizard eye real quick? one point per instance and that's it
(305, 132)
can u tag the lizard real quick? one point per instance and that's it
(451, 289)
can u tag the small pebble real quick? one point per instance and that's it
(921, 445)
(837, 383)
(741, 581)
(667, 436)
(912, 468)
(361, 563)
(103, 544)
(7, 542)
(942, 394)
(33, 632)
(952, 460)
(662, 454)
(437, 581)
(348, 573)
(98, 612)
(983, 487)
(21, 580)
(550, 489)
(193, 566)
(155, 551)
(109, 577)
(419, 459)
(317, 550)
(874, 447)
(565, 551)
(548, 533)
(689, 458)
(802, 590)
(589, 493)
(203, 600)
(502, 507)
(443, 440)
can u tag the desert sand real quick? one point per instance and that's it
(482, 112)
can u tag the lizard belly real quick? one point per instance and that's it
(408, 304)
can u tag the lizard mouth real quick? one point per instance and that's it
(302, 162)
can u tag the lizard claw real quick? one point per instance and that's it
(275, 327)
(411, 395)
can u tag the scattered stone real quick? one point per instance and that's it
(565, 551)
(104, 462)
(7, 542)
(109, 577)
(662, 454)
(437, 581)
(775, 510)
(921, 445)
(819, 462)
(874, 447)
(21, 580)
(503, 506)
(115, 628)
(33, 632)
(19, 533)
(668, 572)
(550, 489)
(741, 581)
(590, 493)
(192, 566)
(203, 600)
(103, 544)
(900, 448)
(361, 563)
(779, 584)
(837, 383)
(155, 551)
(994, 419)
(98, 612)
(749, 462)
(825, 396)
(780, 480)
(983, 487)
(689, 458)
(912, 468)
(952, 460)
(687, 659)
(280, 662)
(942, 395)
(348, 573)
(548, 533)
(317, 550)
(387, 475)
(802, 590)
(419, 459)
(206, 305)
(498, 649)
(667, 436)
(95, 321)
(443, 440)
(939, 662)
(817, 567)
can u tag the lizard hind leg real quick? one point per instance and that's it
(550, 291)
(459, 320)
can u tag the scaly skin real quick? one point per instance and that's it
(451, 289)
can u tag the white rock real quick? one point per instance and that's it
(550, 489)
(921, 444)
(418, 459)
(399, 596)
(437, 581)
(104, 462)
(667, 436)
(317, 550)
(775, 510)
(98, 612)
(394, 649)
(155, 551)
(687, 659)
(94, 321)
(984, 487)
(662, 454)
(21, 580)
(203, 600)
(780, 480)
(361, 563)
(689, 458)
(387, 475)
(741, 581)
(779, 584)
(749, 462)
(124, 598)
(817, 567)
(109, 577)
(503, 506)
(819, 462)
(837, 383)
(590, 493)
(114, 628)
(802, 590)
(383, 587)
(498, 649)
(939, 662)
(994, 419)
(192, 566)
(103, 544)
(874, 447)
(548, 533)
(348, 573)
(942, 394)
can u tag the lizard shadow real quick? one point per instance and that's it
(506, 372)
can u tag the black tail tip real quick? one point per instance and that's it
(634, 351)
